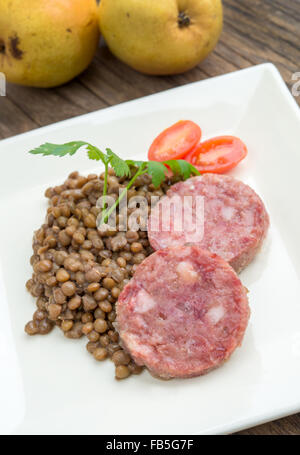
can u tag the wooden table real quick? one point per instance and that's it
(255, 31)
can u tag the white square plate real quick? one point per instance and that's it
(51, 384)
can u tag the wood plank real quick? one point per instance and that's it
(43, 106)
(291, 7)
(265, 12)
(141, 84)
(13, 120)
(288, 426)
(256, 25)
(256, 54)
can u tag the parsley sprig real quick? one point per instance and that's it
(157, 170)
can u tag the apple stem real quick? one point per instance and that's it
(183, 19)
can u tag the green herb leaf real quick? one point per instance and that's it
(157, 170)
(136, 163)
(174, 166)
(187, 169)
(95, 154)
(120, 166)
(70, 148)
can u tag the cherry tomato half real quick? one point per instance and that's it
(217, 155)
(175, 142)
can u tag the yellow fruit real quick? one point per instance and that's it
(45, 43)
(161, 36)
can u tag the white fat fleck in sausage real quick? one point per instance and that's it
(215, 314)
(187, 273)
(134, 343)
(228, 212)
(144, 302)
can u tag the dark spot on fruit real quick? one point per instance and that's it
(2, 46)
(15, 51)
(69, 30)
(183, 20)
(128, 14)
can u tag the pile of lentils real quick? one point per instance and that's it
(79, 270)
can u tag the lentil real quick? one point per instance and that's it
(54, 311)
(120, 358)
(122, 372)
(62, 275)
(104, 340)
(93, 287)
(105, 306)
(100, 353)
(87, 317)
(93, 336)
(108, 283)
(99, 314)
(44, 266)
(91, 346)
(32, 328)
(100, 325)
(136, 247)
(101, 294)
(79, 271)
(134, 368)
(66, 325)
(74, 303)
(87, 328)
(68, 288)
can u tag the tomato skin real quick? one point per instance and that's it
(217, 155)
(175, 142)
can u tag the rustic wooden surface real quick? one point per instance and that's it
(255, 31)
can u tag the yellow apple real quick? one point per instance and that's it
(45, 43)
(161, 37)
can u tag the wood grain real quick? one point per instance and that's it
(255, 31)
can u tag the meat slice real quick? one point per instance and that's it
(234, 219)
(183, 313)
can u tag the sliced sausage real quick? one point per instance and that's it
(234, 219)
(183, 313)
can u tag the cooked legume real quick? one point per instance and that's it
(120, 358)
(100, 353)
(79, 271)
(87, 328)
(100, 325)
(105, 306)
(68, 288)
(108, 283)
(122, 372)
(66, 325)
(93, 336)
(62, 275)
